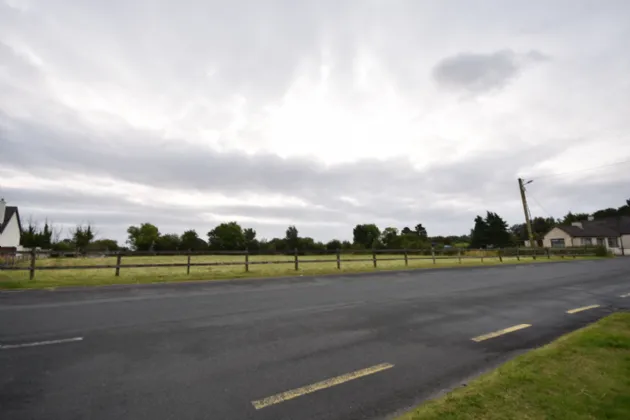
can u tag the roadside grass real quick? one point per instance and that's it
(583, 375)
(307, 266)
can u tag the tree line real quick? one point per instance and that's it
(489, 231)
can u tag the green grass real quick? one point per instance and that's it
(93, 277)
(583, 375)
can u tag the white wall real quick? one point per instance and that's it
(11, 235)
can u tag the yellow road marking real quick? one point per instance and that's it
(626, 295)
(298, 392)
(584, 308)
(501, 332)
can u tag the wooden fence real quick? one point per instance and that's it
(27, 260)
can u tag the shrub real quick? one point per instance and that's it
(601, 251)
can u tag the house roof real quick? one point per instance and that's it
(608, 227)
(8, 213)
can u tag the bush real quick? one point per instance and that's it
(601, 251)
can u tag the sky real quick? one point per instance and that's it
(320, 114)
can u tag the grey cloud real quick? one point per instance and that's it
(482, 72)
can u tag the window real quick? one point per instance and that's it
(600, 241)
(557, 243)
(613, 243)
(587, 241)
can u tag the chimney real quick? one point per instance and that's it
(577, 224)
(3, 207)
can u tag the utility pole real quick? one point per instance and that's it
(528, 222)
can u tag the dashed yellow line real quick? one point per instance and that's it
(501, 332)
(583, 308)
(298, 392)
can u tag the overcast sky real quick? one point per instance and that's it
(322, 114)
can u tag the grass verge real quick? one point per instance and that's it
(307, 267)
(583, 375)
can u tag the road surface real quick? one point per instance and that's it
(346, 347)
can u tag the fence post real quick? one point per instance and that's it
(188, 262)
(118, 259)
(374, 257)
(297, 266)
(548, 253)
(459, 255)
(534, 253)
(247, 260)
(500, 255)
(433, 254)
(406, 258)
(483, 251)
(338, 260)
(31, 274)
(518, 255)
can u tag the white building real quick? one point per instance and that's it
(613, 233)
(10, 226)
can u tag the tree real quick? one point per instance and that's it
(390, 238)
(44, 237)
(28, 239)
(479, 236)
(82, 236)
(190, 240)
(571, 218)
(333, 245)
(168, 242)
(250, 238)
(605, 213)
(366, 235)
(292, 237)
(109, 245)
(406, 231)
(142, 238)
(624, 210)
(497, 233)
(421, 231)
(227, 237)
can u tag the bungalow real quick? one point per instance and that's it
(613, 233)
(10, 226)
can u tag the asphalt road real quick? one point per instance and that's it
(347, 347)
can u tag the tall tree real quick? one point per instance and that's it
(390, 238)
(292, 237)
(143, 237)
(479, 235)
(333, 245)
(82, 236)
(227, 237)
(605, 213)
(168, 242)
(191, 240)
(366, 235)
(250, 238)
(574, 217)
(421, 231)
(497, 233)
(406, 231)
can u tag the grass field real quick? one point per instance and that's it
(87, 277)
(584, 375)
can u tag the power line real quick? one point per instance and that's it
(540, 205)
(582, 170)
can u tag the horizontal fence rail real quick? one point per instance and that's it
(27, 260)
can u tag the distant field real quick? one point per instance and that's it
(307, 266)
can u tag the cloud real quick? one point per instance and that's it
(480, 73)
(321, 115)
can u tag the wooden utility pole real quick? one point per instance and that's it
(528, 222)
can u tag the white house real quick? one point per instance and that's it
(613, 233)
(10, 226)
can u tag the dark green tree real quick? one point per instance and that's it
(366, 235)
(390, 238)
(479, 235)
(109, 245)
(190, 240)
(168, 242)
(143, 237)
(421, 231)
(497, 234)
(574, 217)
(406, 231)
(333, 245)
(292, 237)
(227, 237)
(250, 239)
(82, 237)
